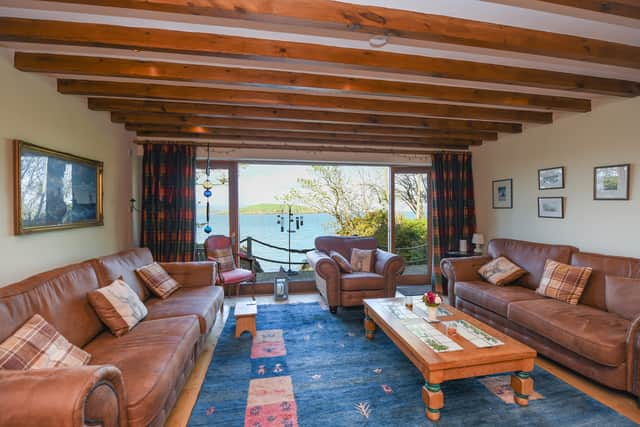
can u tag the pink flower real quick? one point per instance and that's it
(431, 298)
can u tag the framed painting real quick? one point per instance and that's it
(55, 190)
(551, 207)
(551, 178)
(611, 182)
(503, 194)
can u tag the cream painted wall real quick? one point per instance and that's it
(610, 134)
(32, 110)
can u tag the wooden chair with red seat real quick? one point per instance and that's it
(219, 249)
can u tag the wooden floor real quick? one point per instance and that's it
(620, 402)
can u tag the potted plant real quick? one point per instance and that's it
(432, 301)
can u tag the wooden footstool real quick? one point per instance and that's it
(245, 315)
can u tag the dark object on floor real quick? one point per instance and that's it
(414, 290)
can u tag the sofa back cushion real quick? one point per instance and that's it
(623, 296)
(60, 297)
(530, 256)
(123, 265)
(603, 265)
(344, 244)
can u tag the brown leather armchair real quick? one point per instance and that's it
(349, 289)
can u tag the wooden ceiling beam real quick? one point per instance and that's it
(242, 123)
(626, 9)
(252, 144)
(304, 116)
(158, 70)
(399, 23)
(307, 136)
(207, 94)
(111, 36)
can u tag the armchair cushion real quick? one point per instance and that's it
(342, 262)
(38, 345)
(363, 259)
(362, 281)
(237, 275)
(224, 258)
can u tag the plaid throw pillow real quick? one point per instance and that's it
(158, 280)
(501, 271)
(363, 259)
(38, 345)
(224, 258)
(563, 282)
(118, 306)
(341, 261)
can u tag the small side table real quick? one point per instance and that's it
(452, 254)
(245, 314)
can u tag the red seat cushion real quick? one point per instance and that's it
(236, 276)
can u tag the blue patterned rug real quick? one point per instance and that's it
(307, 367)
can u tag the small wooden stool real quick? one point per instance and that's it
(245, 315)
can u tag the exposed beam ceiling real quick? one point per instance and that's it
(302, 75)
(399, 23)
(97, 35)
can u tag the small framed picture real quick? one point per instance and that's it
(611, 182)
(503, 194)
(551, 178)
(551, 207)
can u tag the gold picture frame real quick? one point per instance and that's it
(55, 190)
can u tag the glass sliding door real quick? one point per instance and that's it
(410, 222)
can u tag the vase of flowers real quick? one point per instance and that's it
(432, 301)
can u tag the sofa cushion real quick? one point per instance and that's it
(203, 302)
(152, 358)
(493, 298)
(38, 345)
(530, 256)
(361, 281)
(595, 334)
(158, 280)
(500, 271)
(623, 296)
(563, 282)
(118, 306)
(124, 265)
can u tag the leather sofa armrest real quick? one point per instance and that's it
(633, 357)
(192, 274)
(461, 270)
(63, 397)
(390, 266)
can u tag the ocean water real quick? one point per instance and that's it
(263, 227)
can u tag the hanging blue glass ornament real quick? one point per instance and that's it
(207, 193)
(208, 229)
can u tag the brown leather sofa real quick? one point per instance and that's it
(583, 337)
(132, 380)
(349, 289)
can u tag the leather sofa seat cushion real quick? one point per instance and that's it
(493, 298)
(203, 302)
(361, 281)
(151, 357)
(594, 334)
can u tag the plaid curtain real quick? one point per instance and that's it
(168, 201)
(453, 213)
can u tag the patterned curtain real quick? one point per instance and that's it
(453, 215)
(168, 201)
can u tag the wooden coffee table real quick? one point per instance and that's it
(438, 367)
